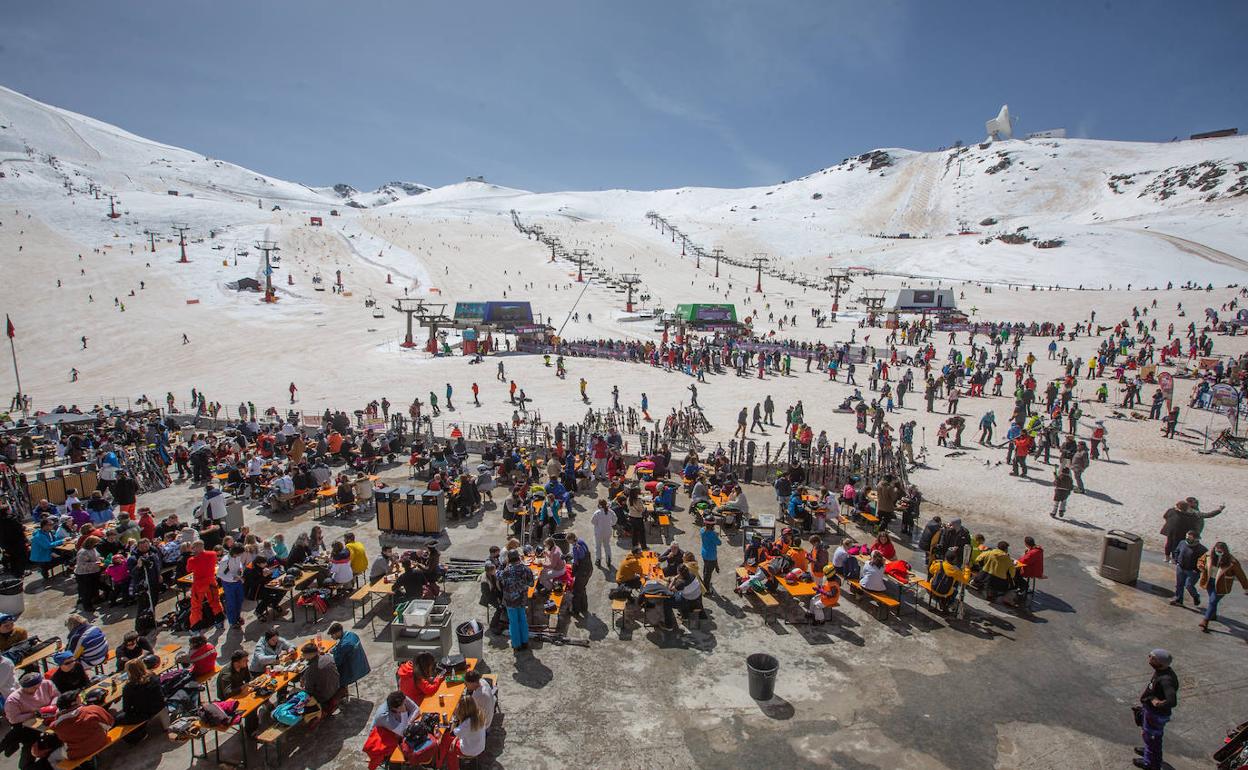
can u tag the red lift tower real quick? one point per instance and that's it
(759, 260)
(630, 280)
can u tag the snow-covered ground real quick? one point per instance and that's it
(60, 251)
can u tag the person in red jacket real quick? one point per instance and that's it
(83, 729)
(202, 567)
(419, 679)
(1030, 565)
(1022, 448)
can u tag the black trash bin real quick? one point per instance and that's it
(12, 599)
(561, 542)
(762, 669)
(471, 637)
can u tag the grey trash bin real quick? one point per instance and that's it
(12, 598)
(1120, 556)
(471, 637)
(762, 669)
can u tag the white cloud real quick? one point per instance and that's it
(762, 170)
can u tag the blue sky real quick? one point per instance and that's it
(641, 95)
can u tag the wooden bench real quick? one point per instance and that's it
(270, 741)
(883, 600)
(618, 608)
(665, 525)
(869, 517)
(766, 599)
(361, 598)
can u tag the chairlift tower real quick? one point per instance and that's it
(427, 315)
(840, 281)
(630, 281)
(151, 238)
(759, 260)
(268, 247)
(580, 257)
(718, 254)
(112, 207)
(182, 227)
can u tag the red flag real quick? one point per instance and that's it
(9, 321)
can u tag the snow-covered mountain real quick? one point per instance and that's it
(390, 192)
(1103, 211)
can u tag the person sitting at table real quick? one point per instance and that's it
(382, 565)
(555, 567)
(142, 700)
(827, 595)
(280, 549)
(996, 573)
(202, 656)
(42, 510)
(86, 641)
(396, 713)
(872, 577)
(69, 675)
(234, 677)
(469, 733)
(630, 573)
(10, 632)
(269, 651)
(316, 542)
(302, 478)
(818, 555)
(345, 496)
(410, 584)
(340, 573)
(280, 488)
(687, 589)
(419, 678)
(943, 578)
(483, 693)
(791, 546)
(77, 512)
(132, 646)
(256, 579)
(671, 559)
(82, 728)
(799, 511)
(99, 509)
(884, 544)
(23, 704)
(320, 679)
(349, 655)
(1030, 565)
(756, 550)
(699, 493)
(300, 553)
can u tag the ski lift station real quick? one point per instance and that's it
(938, 301)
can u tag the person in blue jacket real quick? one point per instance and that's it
(349, 656)
(41, 545)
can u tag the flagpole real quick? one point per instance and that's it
(13, 350)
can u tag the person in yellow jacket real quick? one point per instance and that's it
(630, 573)
(1218, 572)
(997, 570)
(359, 558)
(943, 577)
